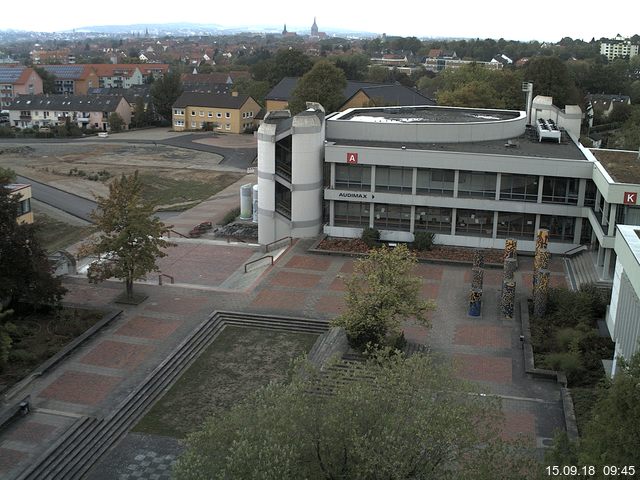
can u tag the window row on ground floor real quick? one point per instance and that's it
(451, 221)
(491, 185)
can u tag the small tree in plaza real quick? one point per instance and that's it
(130, 237)
(381, 294)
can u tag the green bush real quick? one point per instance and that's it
(423, 241)
(568, 362)
(7, 132)
(370, 236)
(22, 356)
(231, 216)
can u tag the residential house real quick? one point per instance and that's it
(18, 80)
(356, 94)
(90, 111)
(233, 113)
(23, 192)
(62, 55)
(603, 104)
(73, 79)
(502, 58)
(118, 76)
(619, 47)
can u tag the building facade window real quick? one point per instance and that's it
(351, 214)
(560, 190)
(193, 124)
(433, 219)
(392, 217)
(477, 223)
(210, 114)
(560, 228)
(227, 115)
(435, 182)
(590, 194)
(394, 179)
(193, 113)
(477, 184)
(227, 126)
(178, 111)
(24, 206)
(218, 115)
(179, 123)
(519, 187)
(516, 225)
(353, 177)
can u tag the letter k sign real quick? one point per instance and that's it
(630, 198)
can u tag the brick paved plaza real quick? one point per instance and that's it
(99, 375)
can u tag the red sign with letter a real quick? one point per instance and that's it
(630, 198)
(352, 158)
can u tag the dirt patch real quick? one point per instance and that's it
(237, 363)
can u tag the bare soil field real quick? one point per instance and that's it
(86, 169)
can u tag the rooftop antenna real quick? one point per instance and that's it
(527, 87)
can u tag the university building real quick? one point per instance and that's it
(471, 176)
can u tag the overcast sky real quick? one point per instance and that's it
(546, 20)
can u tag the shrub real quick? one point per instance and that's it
(568, 362)
(231, 216)
(7, 132)
(370, 236)
(423, 241)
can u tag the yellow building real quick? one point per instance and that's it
(231, 113)
(23, 192)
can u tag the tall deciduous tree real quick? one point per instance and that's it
(165, 92)
(116, 122)
(550, 77)
(324, 84)
(48, 80)
(381, 294)
(130, 238)
(26, 275)
(390, 418)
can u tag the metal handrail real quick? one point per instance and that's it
(257, 260)
(574, 250)
(266, 247)
(165, 275)
(177, 233)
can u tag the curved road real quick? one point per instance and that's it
(68, 202)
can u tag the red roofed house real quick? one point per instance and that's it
(18, 80)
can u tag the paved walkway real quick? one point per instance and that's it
(99, 375)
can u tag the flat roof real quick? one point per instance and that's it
(426, 114)
(519, 146)
(622, 165)
(14, 187)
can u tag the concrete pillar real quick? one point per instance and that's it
(498, 183)
(577, 230)
(414, 182)
(412, 224)
(606, 266)
(373, 178)
(540, 188)
(582, 189)
(536, 226)
(494, 232)
(454, 220)
(332, 212)
(600, 258)
(613, 210)
(371, 214)
(332, 183)
(456, 179)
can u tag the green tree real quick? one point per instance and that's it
(381, 294)
(355, 67)
(165, 92)
(612, 434)
(48, 80)
(388, 418)
(129, 238)
(116, 123)
(141, 115)
(254, 88)
(285, 63)
(324, 84)
(550, 77)
(26, 275)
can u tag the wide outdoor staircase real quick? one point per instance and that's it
(89, 438)
(582, 271)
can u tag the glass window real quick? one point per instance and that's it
(218, 115)
(477, 184)
(519, 187)
(590, 194)
(435, 182)
(351, 214)
(516, 225)
(478, 223)
(392, 217)
(227, 115)
(433, 219)
(24, 206)
(560, 228)
(560, 190)
(353, 177)
(394, 179)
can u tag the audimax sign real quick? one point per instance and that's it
(354, 195)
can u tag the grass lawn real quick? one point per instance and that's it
(56, 235)
(39, 336)
(163, 190)
(238, 362)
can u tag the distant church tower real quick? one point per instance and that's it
(284, 32)
(314, 28)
